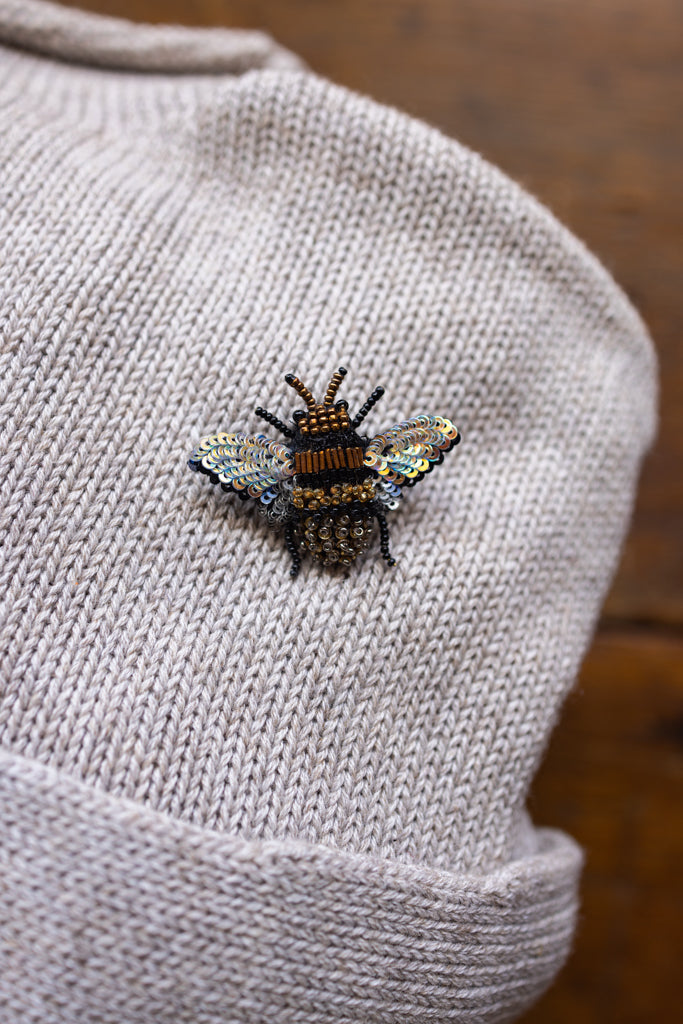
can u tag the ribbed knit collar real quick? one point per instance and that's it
(73, 35)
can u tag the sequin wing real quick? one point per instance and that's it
(403, 454)
(254, 467)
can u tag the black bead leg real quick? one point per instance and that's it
(290, 541)
(384, 539)
(367, 406)
(274, 421)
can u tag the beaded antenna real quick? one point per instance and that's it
(327, 484)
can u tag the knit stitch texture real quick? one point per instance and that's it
(227, 795)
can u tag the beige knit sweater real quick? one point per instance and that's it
(227, 795)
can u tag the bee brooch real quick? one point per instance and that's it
(327, 484)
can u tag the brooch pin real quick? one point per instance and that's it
(327, 484)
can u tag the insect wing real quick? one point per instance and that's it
(251, 466)
(276, 503)
(404, 453)
(388, 493)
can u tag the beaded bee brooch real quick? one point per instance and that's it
(327, 484)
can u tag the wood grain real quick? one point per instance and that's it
(613, 778)
(582, 102)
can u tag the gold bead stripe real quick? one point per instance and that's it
(354, 457)
(328, 458)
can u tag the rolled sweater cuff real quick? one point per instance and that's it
(121, 913)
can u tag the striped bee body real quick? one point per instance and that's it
(334, 496)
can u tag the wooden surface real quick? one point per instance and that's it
(582, 102)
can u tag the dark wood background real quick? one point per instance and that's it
(582, 102)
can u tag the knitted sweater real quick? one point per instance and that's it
(228, 795)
